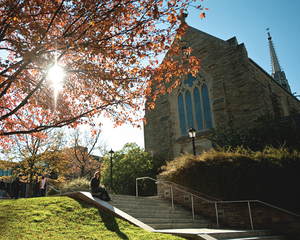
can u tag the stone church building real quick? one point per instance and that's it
(229, 85)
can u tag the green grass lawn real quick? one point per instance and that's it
(64, 218)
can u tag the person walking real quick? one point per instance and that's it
(2, 188)
(96, 188)
(16, 186)
(43, 186)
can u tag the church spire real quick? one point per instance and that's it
(277, 73)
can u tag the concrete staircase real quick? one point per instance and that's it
(158, 214)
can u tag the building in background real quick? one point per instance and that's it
(229, 86)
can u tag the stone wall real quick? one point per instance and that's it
(234, 215)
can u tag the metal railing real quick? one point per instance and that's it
(59, 191)
(209, 201)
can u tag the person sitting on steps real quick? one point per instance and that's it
(96, 188)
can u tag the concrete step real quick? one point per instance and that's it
(159, 226)
(132, 200)
(150, 207)
(163, 215)
(154, 210)
(118, 197)
(246, 235)
(256, 238)
(178, 224)
(172, 220)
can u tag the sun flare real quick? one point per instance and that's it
(56, 75)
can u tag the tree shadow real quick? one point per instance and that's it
(111, 224)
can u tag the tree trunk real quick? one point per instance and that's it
(30, 189)
(82, 171)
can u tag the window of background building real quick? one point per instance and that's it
(194, 105)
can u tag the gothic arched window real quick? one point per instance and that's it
(189, 109)
(198, 109)
(194, 109)
(181, 114)
(206, 106)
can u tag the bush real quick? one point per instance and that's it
(270, 175)
(75, 184)
(266, 131)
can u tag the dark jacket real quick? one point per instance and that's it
(95, 183)
(16, 184)
(2, 185)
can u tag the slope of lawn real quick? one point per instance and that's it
(64, 218)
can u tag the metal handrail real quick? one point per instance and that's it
(172, 197)
(157, 181)
(54, 189)
(60, 190)
(214, 202)
(194, 191)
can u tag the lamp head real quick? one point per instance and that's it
(192, 132)
(111, 153)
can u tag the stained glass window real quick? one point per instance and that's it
(181, 114)
(190, 80)
(197, 105)
(206, 107)
(189, 109)
(198, 109)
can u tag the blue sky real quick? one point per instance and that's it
(247, 20)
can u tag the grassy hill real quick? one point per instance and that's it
(64, 218)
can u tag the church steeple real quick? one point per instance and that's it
(277, 73)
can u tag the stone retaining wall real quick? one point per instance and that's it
(233, 215)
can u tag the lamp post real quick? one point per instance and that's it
(111, 154)
(192, 134)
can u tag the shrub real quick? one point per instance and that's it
(270, 175)
(266, 131)
(75, 184)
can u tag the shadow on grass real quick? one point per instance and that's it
(111, 224)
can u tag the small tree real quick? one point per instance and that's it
(33, 156)
(82, 161)
(128, 164)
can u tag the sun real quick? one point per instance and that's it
(56, 75)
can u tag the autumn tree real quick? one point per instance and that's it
(34, 157)
(82, 160)
(107, 52)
